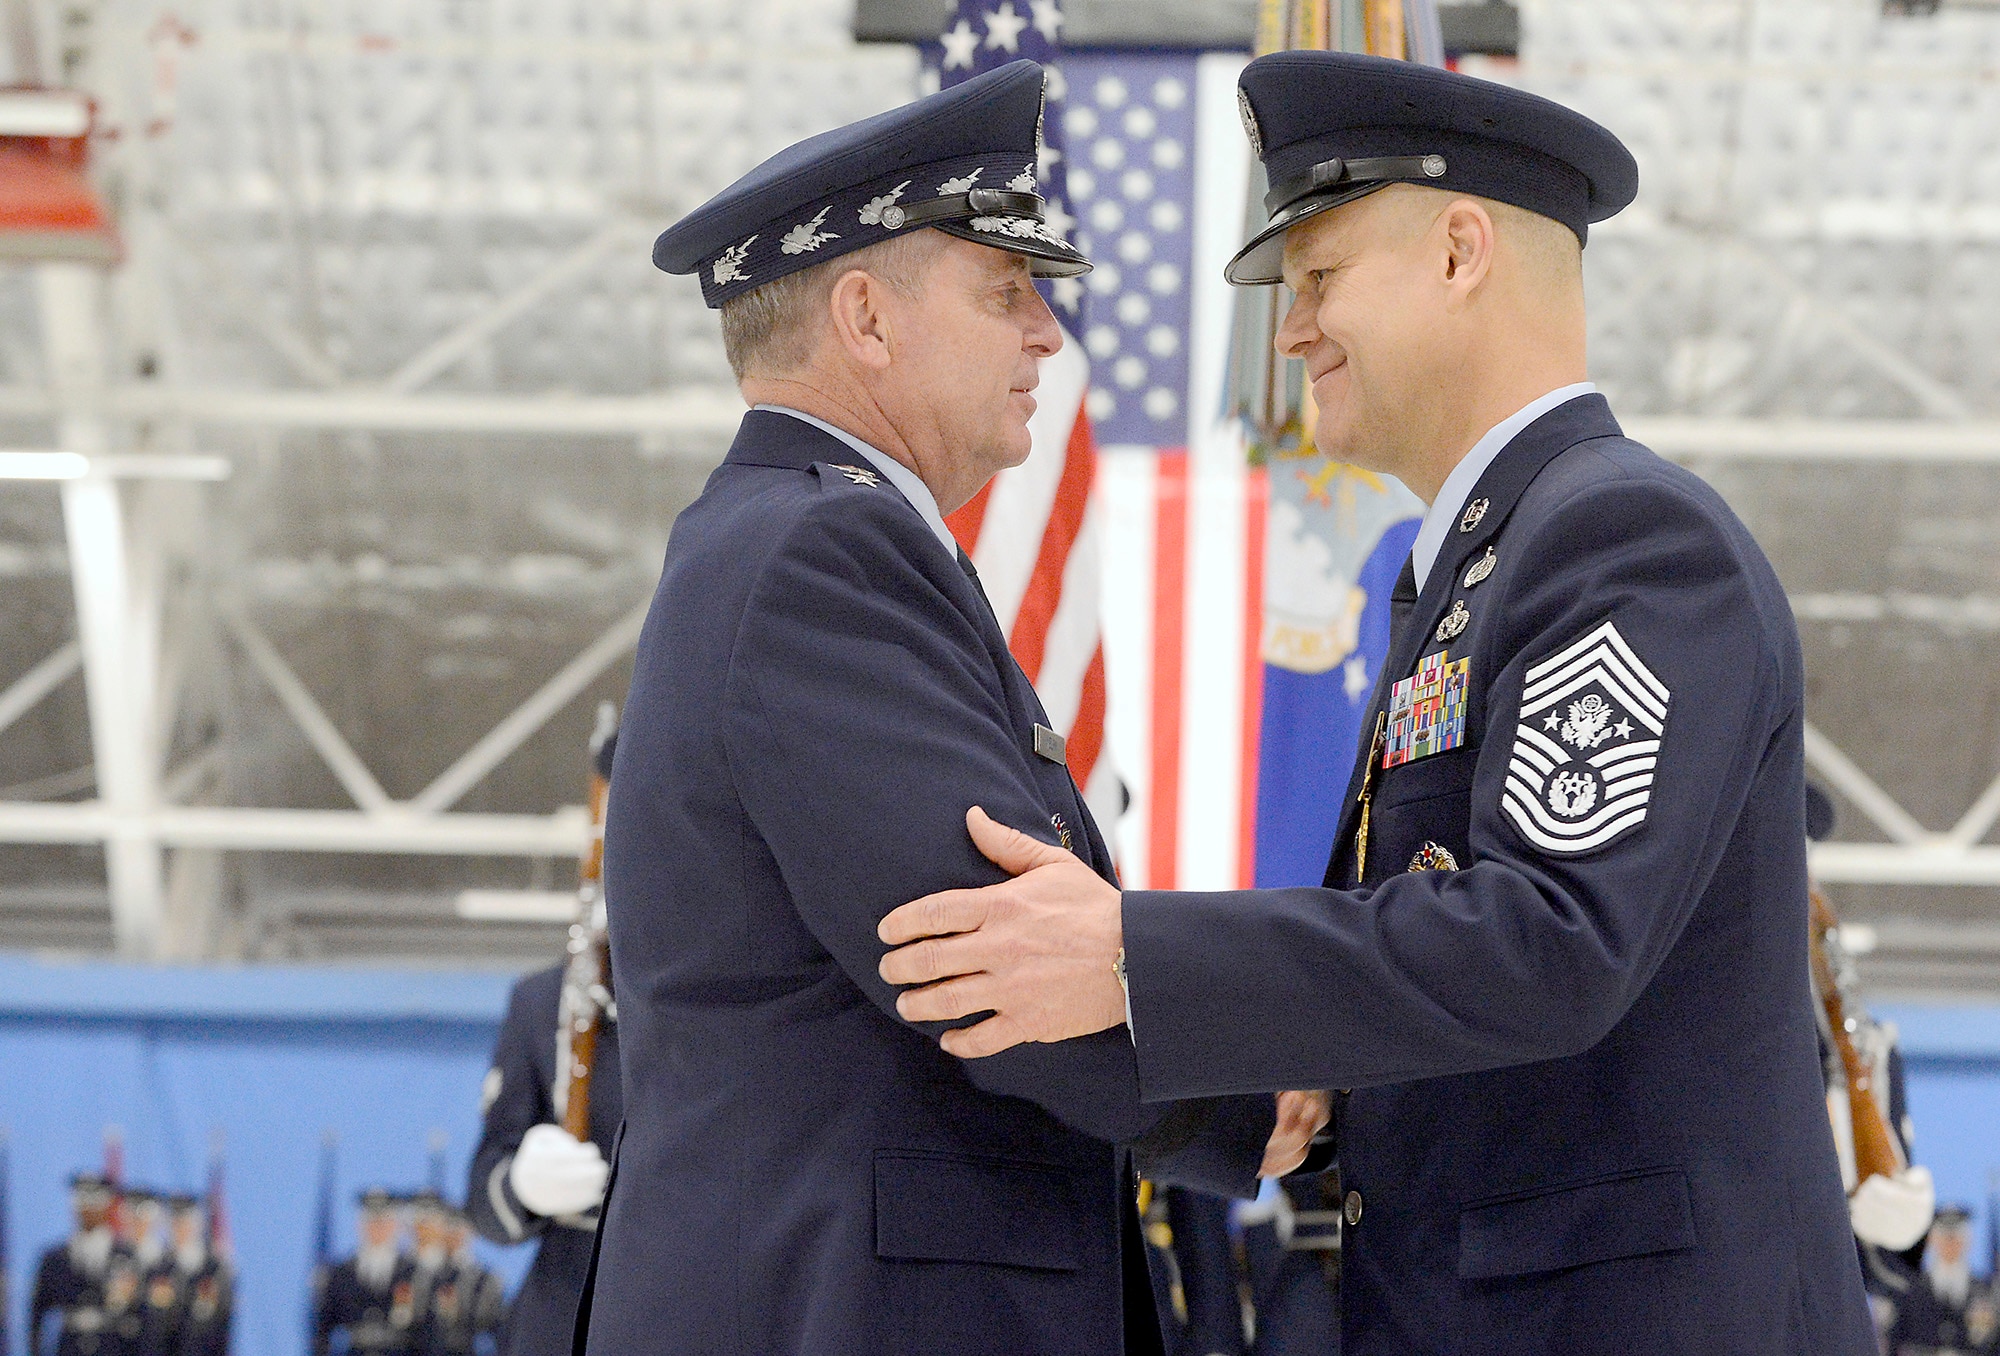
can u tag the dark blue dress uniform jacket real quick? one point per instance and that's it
(1587, 1112)
(542, 1319)
(820, 692)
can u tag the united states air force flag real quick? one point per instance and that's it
(1338, 538)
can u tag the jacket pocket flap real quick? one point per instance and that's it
(949, 1208)
(1633, 1216)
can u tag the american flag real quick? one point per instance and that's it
(1033, 531)
(1126, 556)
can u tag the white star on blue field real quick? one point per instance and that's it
(1129, 133)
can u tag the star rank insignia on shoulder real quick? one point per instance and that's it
(860, 475)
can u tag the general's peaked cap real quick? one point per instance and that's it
(1331, 127)
(962, 160)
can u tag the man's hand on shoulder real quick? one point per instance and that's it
(1039, 952)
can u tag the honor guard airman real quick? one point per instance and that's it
(371, 1296)
(67, 1310)
(530, 1178)
(189, 1292)
(464, 1302)
(1948, 1311)
(1556, 968)
(819, 684)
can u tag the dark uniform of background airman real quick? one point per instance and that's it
(372, 1295)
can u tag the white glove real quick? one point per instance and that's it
(555, 1174)
(1894, 1212)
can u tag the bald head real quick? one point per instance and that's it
(1425, 318)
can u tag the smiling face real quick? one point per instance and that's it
(1368, 319)
(1424, 318)
(963, 352)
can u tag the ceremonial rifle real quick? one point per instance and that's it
(586, 1003)
(1877, 1152)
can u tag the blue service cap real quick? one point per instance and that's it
(961, 160)
(1331, 127)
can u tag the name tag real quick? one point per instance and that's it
(1049, 744)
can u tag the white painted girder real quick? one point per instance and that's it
(715, 412)
(1933, 863)
(562, 834)
(113, 573)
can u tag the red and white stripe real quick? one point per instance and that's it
(1033, 533)
(1130, 581)
(1184, 543)
(1184, 574)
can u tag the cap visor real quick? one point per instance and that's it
(1044, 260)
(1262, 262)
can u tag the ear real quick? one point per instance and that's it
(1469, 240)
(861, 325)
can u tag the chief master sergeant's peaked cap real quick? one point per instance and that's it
(961, 160)
(1331, 127)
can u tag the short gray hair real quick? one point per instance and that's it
(771, 327)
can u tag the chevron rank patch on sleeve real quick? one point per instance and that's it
(1592, 716)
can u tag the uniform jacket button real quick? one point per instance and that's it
(1353, 1211)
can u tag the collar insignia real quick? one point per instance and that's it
(1474, 512)
(1480, 569)
(858, 474)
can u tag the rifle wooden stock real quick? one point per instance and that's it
(588, 977)
(1877, 1153)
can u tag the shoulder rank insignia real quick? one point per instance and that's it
(1433, 857)
(1455, 621)
(1480, 569)
(1427, 711)
(1581, 774)
(860, 475)
(1474, 511)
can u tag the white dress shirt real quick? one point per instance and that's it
(1458, 485)
(902, 477)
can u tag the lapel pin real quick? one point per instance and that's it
(1433, 857)
(1455, 621)
(1480, 569)
(1474, 511)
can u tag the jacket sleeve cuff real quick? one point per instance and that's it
(517, 1220)
(1214, 1145)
